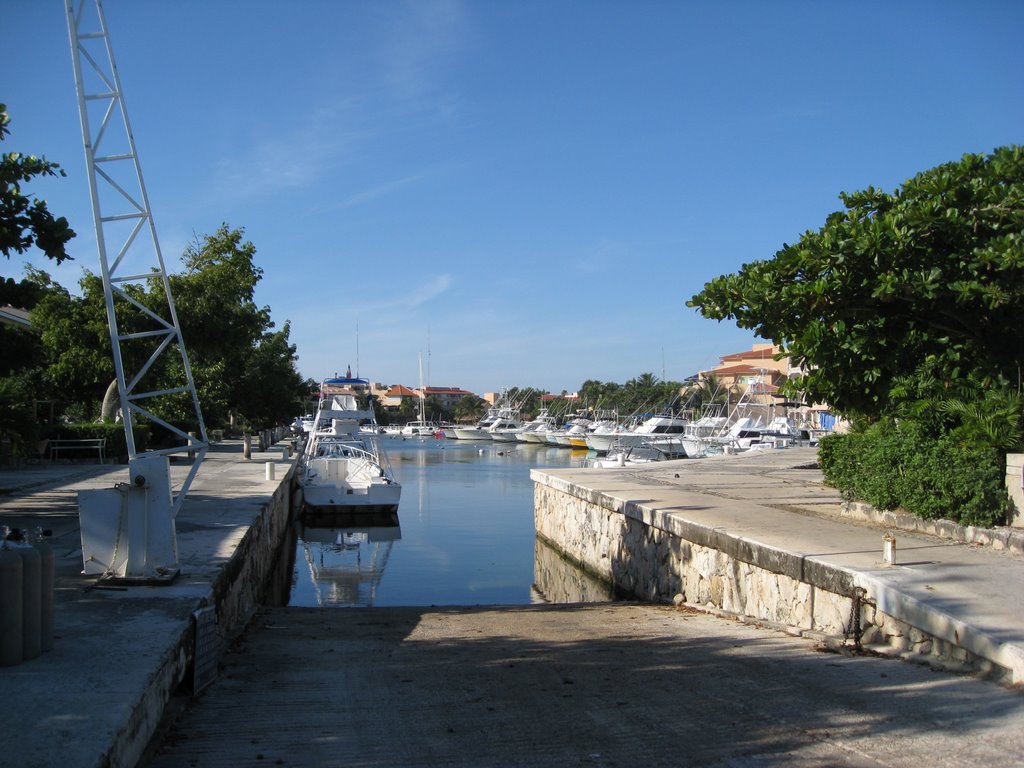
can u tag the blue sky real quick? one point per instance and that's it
(529, 191)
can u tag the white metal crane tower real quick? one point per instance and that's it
(128, 532)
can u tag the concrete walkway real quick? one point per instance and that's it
(599, 685)
(772, 506)
(95, 699)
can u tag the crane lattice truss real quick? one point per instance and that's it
(144, 332)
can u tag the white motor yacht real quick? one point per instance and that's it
(418, 428)
(667, 429)
(535, 431)
(343, 466)
(481, 430)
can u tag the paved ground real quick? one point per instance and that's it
(70, 706)
(599, 685)
(549, 685)
(773, 506)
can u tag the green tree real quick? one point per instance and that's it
(435, 410)
(17, 427)
(926, 282)
(24, 221)
(239, 363)
(469, 408)
(599, 394)
(78, 364)
(20, 345)
(709, 391)
(271, 388)
(409, 409)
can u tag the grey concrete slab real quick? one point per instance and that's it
(962, 589)
(68, 706)
(600, 685)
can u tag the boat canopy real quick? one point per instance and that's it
(345, 415)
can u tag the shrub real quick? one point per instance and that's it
(899, 465)
(957, 481)
(838, 457)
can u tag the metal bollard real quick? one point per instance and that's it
(889, 549)
(269, 467)
(246, 446)
(11, 577)
(31, 597)
(47, 578)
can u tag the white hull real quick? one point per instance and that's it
(505, 435)
(380, 496)
(669, 447)
(472, 433)
(604, 442)
(499, 418)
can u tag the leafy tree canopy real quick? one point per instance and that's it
(926, 282)
(643, 394)
(25, 221)
(19, 344)
(77, 361)
(469, 408)
(240, 363)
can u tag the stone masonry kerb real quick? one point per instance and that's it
(614, 540)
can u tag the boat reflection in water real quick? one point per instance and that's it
(342, 558)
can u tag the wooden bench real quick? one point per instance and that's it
(60, 445)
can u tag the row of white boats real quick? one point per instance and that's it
(343, 464)
(658, 436)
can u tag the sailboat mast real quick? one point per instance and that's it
(422, 419)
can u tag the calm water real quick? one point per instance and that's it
(465, 533)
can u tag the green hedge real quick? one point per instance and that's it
(892, 466)
(116, 447)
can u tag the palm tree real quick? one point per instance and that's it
(469, 408)
(706, 392)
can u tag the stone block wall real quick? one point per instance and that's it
(647, 560)
(659, 557)
(1015, 486)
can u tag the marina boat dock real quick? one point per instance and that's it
(97, 698)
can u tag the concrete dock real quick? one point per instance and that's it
(95, 699)
(759, 534)
(614, 676)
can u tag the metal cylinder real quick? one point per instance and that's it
(889, 549)
(269, 469)
(32, 601)
(46, 582)
(246, 446)
(11, 572)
